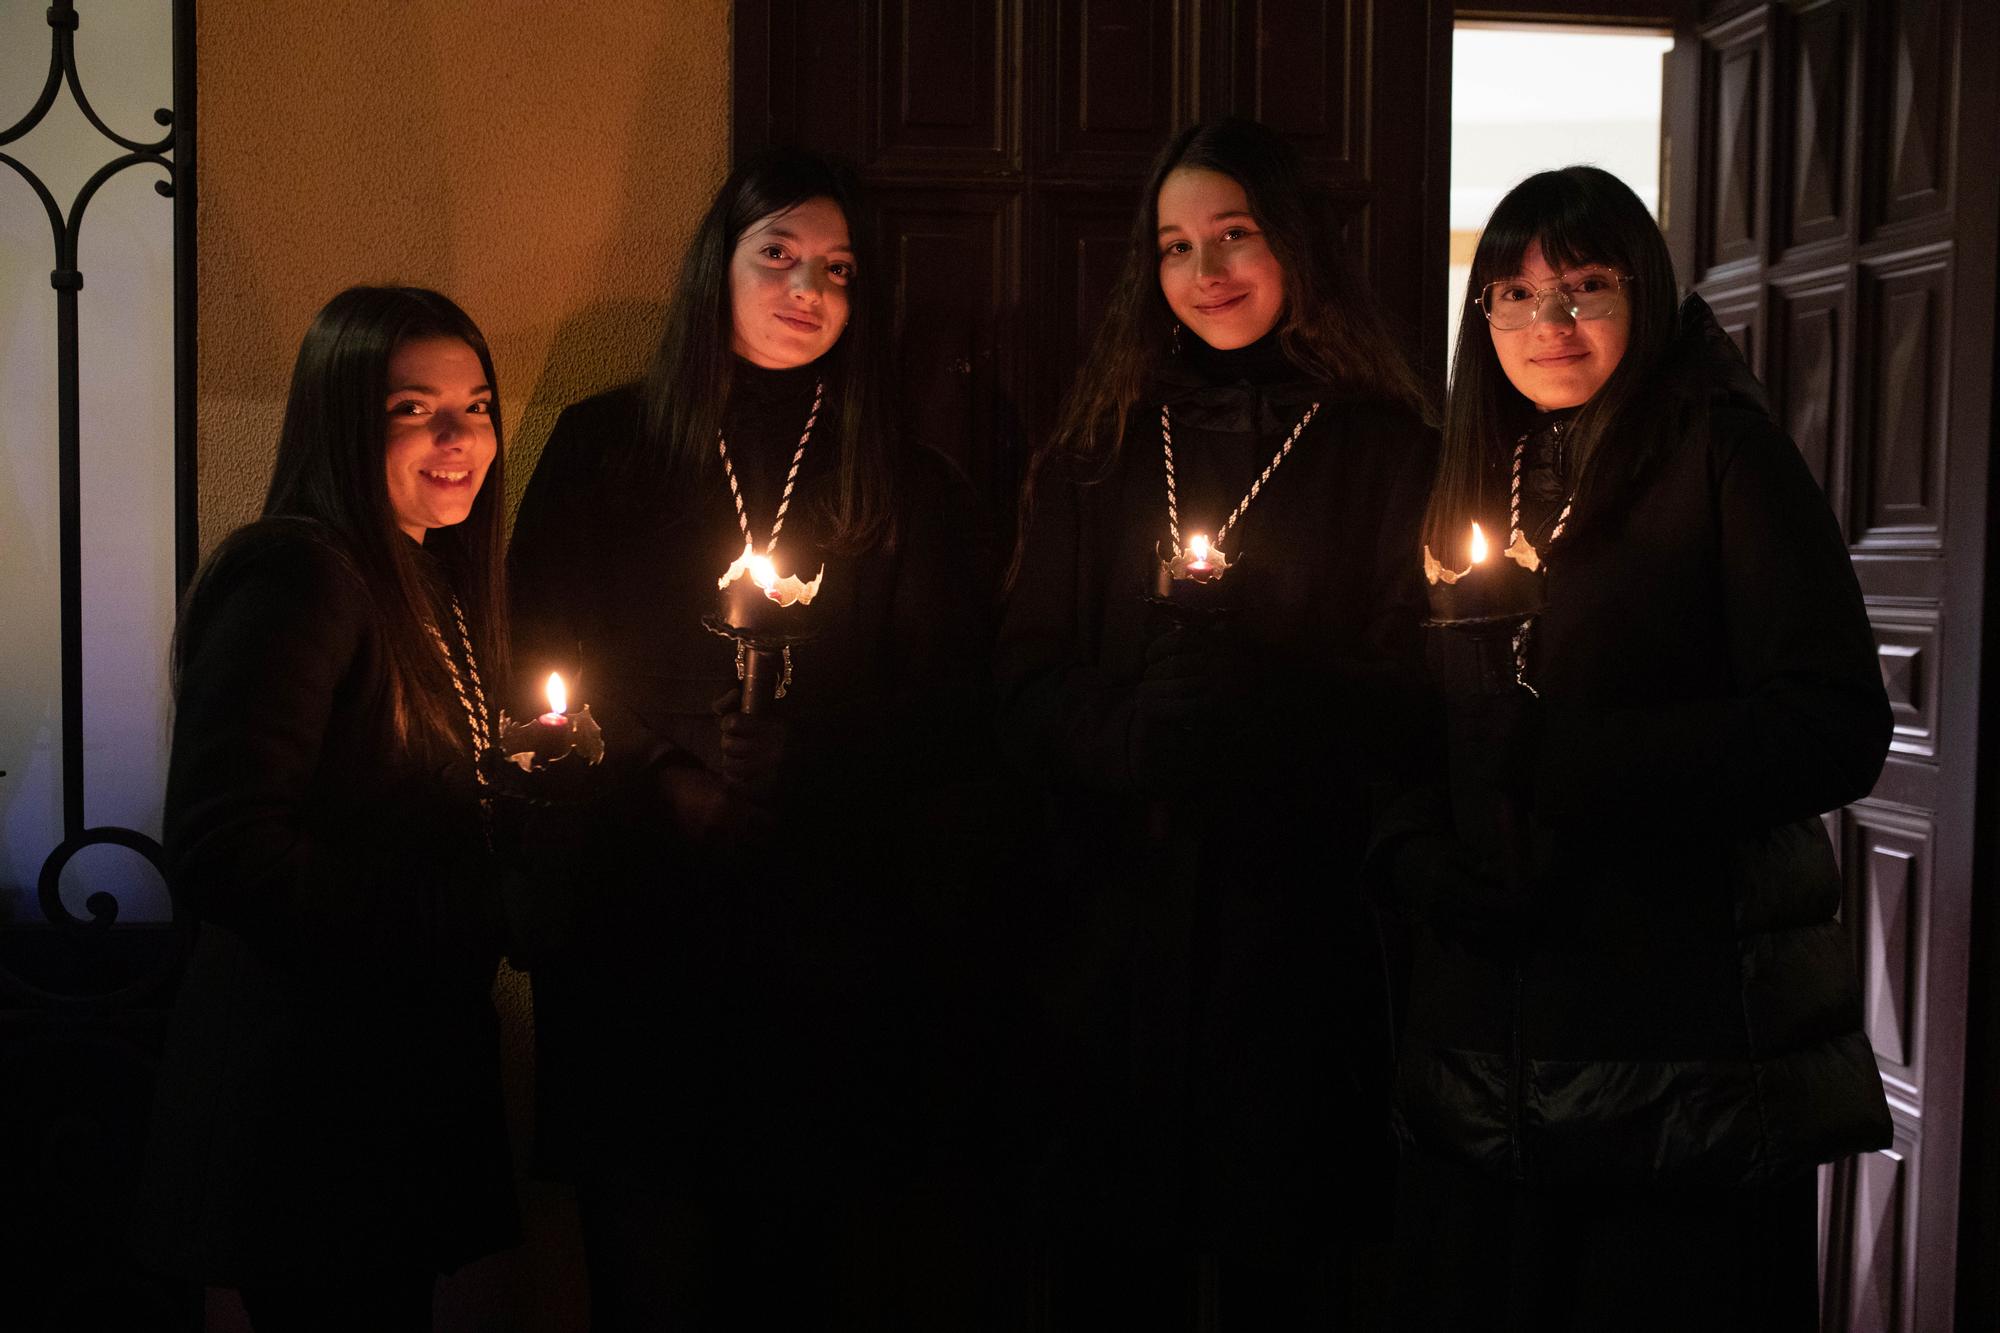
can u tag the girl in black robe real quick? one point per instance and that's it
(1635, 1030)
(1225, 1145)
(328, 1135)
(724, 1017)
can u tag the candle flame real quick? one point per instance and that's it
(1198, 547)
(785, 590)
(558, 693)
(1478, 545)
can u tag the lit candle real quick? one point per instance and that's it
(1509, 589)
(553, 736)
(558, 701)
(1199, 562)
(1198, 566)
(754, 594)
(552, 729)
(766, 613)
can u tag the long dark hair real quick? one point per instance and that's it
(1580, 215)
(687, 389)
(331, 478)
(1331, 328)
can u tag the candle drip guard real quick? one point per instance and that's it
(763, 659)
(1187, 598)
(539, 765)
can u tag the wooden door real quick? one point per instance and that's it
(1832, 194)
(1006, 142)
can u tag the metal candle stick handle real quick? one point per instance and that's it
(766, 675)
(763, 660)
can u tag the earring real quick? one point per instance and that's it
(1176, 340)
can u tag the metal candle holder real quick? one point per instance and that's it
(763, 660)
(1193, 591)
(1485, 609)
(1487, 604)
(542, 762)
(766, 616)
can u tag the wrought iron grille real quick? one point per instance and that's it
(172, 153)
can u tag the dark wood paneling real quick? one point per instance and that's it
(1878, 1281)
(1912, 103)
(816, 54)
(1818, 124)
(1087, 234)
(1972, 961)
(955, 260)
(1741, 314)
(1060, 105)
(1810, 335)
(1901, 413)
(1887, 861)
(1734, 95)
(1906, 641)
(949, 85)
(1301, 66)
(1659, 14)
(1885, 115)
(1119, 83)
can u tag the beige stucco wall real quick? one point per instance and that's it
(541, 163)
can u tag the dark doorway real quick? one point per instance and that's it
(1006, 141)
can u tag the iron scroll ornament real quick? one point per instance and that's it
(67, 280)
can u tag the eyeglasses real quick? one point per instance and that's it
(1586, 294)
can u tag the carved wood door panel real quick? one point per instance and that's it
(1833, 196)
(1006, 142)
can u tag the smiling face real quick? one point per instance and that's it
(440, 433)
(1216, 267)
(788, 283)
(1557, 361)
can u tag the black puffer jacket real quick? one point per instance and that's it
(1680, 1006)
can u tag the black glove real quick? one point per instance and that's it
(707, 811)
(1196, 675)
(753, 748)
(1494, 735)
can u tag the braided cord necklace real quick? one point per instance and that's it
(791, 476)
(1514, 535)
(1173, 500)
(478, 717)
(777, 524)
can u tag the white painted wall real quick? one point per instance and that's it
(125, 317)
(1527, 99)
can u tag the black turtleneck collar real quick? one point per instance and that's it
(1259, 363)
(1252, 389)
(753, 384)
(767, 410)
